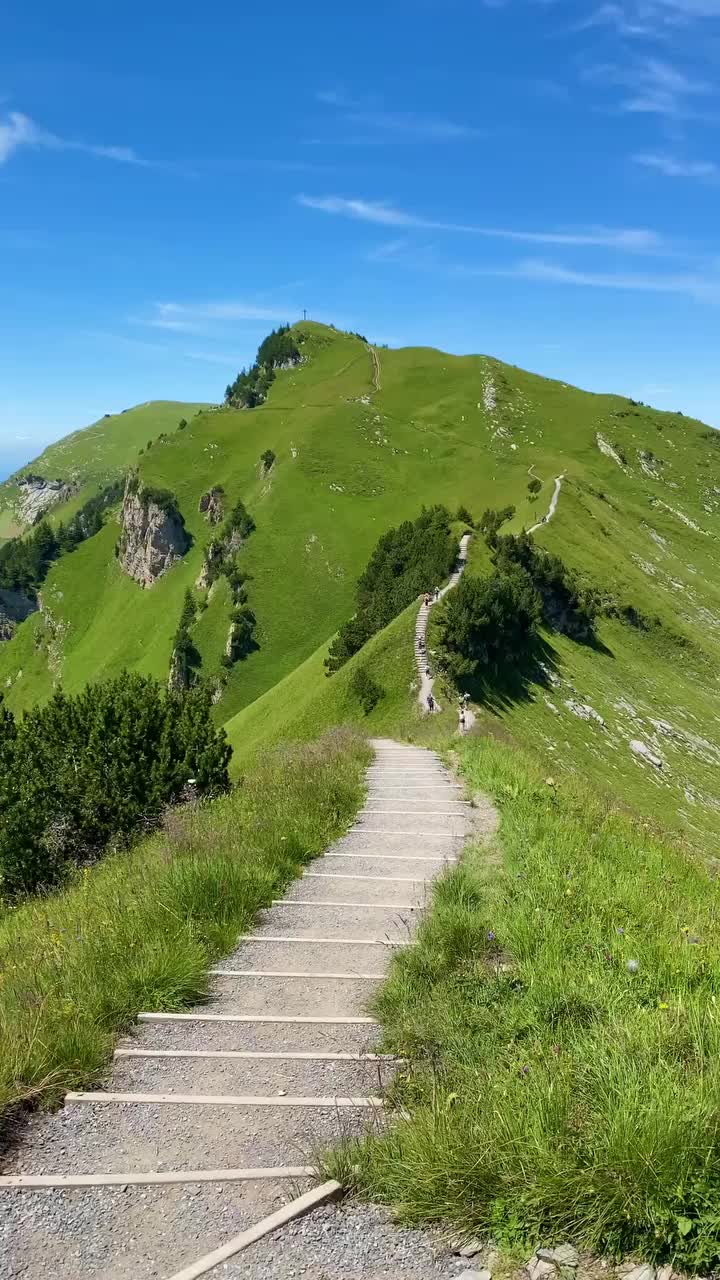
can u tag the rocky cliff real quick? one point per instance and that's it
(15, 607)
(38, 495)
(212, 505)
(153, 533)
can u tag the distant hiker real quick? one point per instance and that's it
(421, 644)
(426, 599)
(466, 698)
(430, 702)
(437, 593)
(461, 720)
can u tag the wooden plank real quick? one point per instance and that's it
(293, 973)
(296, 1208)
(373, 906)
(220, 1100)
(155, 1179)
(342, 942)
(251, 1017)
(254, 1055)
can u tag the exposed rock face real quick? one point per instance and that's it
(15, 607)
(38, 495)
(153, 535)
(212, 506)
(214, 556)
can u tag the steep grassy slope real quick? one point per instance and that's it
(95, 455)
(637, 513)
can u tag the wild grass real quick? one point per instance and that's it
(561, 1015)
(138, 931)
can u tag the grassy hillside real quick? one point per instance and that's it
(95, 455)
(637, 514)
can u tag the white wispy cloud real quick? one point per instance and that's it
(380, 213)
(655, 87)
(18, 130)
(196, 317)
(382, 125)
(701, 287)
(653, 18)
(671, 167)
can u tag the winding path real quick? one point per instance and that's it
(553, 505)
(422, 658)
(212, 1119)
(375, 368)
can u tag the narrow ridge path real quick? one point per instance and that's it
(211, 1119)
(422, 657)
(553, 505)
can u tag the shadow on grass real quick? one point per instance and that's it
(514, 683)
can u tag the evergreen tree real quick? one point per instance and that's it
(93, 770)
(488, 623)
(413, 558)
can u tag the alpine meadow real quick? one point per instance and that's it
(209, 613)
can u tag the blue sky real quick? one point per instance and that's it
(535, 179)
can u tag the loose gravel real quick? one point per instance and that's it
(346, 1242)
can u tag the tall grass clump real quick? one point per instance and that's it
(562, 1016)
(139, 930)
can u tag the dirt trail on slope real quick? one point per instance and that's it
(553, 505)
(375, 369)
(422, 659)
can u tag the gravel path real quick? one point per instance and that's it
(422, 658)
(553, 505)
(318, 955)
(347, 1242)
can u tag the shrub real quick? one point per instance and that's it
(251, 385)
(567, 606)
(85, 771)
(464, 515)
(413, 558)
(366, 689)
(491, 522)
(488, 623)
(534, 486)
(267, 458)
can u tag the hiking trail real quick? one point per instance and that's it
(422, 657)
(375, 368)
(553, 505)
(211, 1119)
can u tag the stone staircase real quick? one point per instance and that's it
(213, 1118)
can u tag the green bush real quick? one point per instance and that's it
(367, 690)
(534, 486)
(82, 772)
(568, 606)
(488, 624)
(413, 558)
(251, 385)
(491, 521)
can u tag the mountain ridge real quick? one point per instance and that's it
(637, 518)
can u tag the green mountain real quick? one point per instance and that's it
(362, 439)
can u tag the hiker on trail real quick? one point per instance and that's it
(426, 599)
(421, 644)
(461, 720)
(437, 593)
(430, 702)
(466, 698)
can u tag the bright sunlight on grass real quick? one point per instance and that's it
(139, 930)
(560, 1015)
